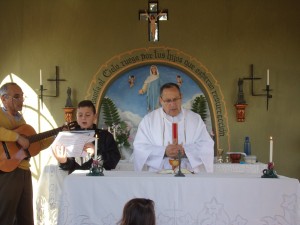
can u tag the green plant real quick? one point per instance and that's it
(110, 112)
(122, 134)
(200, 106)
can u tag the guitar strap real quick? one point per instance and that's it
(6, 150)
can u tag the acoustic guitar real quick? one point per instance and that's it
(11, 153)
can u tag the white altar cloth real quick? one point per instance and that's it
(49, 195)
(51, 182)
(226, 199)
(127, 165)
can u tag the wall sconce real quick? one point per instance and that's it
(241, 103)
(268, 90)
(57, 80)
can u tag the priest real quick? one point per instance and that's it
(171, 129)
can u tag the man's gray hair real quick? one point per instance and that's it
(4, 88)
(169, 85)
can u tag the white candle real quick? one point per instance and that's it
(271, 149)
(115, 133)
(96, 147)
(268, 77)
(41, 78)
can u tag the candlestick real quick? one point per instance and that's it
(270, 172)
(41, 78)
(96, 147)
(268, 89)
(175, 133)
(179, 173)
(97, 164)
(268, 77)
(271, 149)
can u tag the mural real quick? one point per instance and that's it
(119, 92)
(133, 101)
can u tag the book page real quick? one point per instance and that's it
(74, 141)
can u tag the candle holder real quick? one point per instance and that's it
(57, 80)
(220, 155)
(69, 113)
(42, 89)
(268, 90)
(179, 173)
(240, 112)
(96, 169)
(241, 103)
(270, 172)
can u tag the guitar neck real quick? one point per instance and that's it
(41, 136)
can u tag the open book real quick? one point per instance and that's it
(74, 141)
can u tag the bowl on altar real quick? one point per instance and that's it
(235, 157)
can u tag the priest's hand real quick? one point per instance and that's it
(172, 150)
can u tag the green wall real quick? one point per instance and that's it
(226, 36)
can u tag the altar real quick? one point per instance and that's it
(236, 197)
(194, 199)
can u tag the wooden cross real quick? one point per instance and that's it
(153, 17)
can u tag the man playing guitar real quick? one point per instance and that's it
(15, 177)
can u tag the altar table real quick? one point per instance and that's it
(197, 199)
(51, 183)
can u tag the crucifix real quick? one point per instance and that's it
(153, 16)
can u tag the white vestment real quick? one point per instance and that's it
(155, 133)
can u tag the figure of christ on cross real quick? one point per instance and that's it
(153, 18)
(153, 25)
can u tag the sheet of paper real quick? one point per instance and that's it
(74, 141)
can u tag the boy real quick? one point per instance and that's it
(107, 147)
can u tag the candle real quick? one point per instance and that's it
(41, 78)
(175, 133)
(268, 78)
(271, 149)
(115, 133)
(96, 147)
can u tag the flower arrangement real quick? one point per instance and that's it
(121, 134)
(119, 128)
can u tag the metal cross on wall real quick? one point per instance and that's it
(153, 16)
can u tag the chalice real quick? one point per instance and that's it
(174, 163)
(177, 163)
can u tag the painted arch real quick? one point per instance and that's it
(122, 65)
